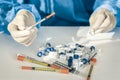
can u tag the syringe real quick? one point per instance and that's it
(40, 21)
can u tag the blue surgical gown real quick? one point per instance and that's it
(68, 12)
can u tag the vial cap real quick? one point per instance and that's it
(78, 45)
(76, 56)
(39, 54)
(84, 60)
(70, 57)
(75, 49)
(92, 48)
(70, 51)
(52, 49)
(48, 45)
(62, 53)
(70, 61)
(47, 49)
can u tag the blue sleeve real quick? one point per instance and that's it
(111, 5)
(11, 10)
(29, 7)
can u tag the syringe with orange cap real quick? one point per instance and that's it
(93, 61)
(62, 70)
(21, 57)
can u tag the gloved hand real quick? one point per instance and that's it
(18, 27)
(102, 20)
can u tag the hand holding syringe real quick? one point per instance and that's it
(23, 29)
(40, 21)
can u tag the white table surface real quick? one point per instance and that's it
(106, 68)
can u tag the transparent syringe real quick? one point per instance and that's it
(40, 21)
